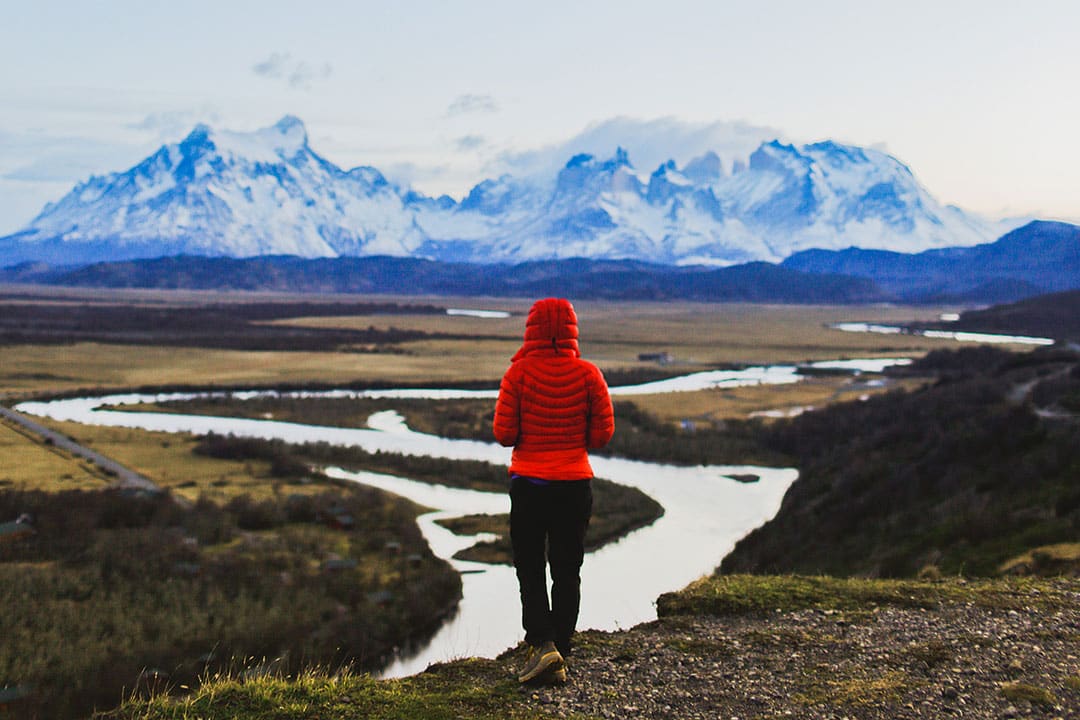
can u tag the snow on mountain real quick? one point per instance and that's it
(225, 193)
(266, 192)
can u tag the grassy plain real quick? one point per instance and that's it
(31, 464)
(697, 335)
(165, 458)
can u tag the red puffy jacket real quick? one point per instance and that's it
(553, 406)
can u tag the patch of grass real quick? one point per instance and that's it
(1073, 682)
(700, 647)
(479, 689)
(858, 692)
(1057, 559)
(1033, 694)
(741, 594)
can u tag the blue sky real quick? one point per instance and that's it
(978, 98)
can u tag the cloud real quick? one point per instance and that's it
(274, 66)
(467, 143)
(20, 202)
(40, 167)
(471, 105)
(298, 74)
(648, 142)
(49, 158)
(175, 123)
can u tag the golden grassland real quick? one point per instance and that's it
(697, 335)
(30, 463)
(614, 334)
(54, 368)
(165, 458)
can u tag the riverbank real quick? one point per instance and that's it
(740, 647)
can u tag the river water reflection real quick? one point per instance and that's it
(706, 509)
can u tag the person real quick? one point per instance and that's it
(552, 407)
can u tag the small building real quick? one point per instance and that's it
(17, 529)
(382, 598)
(660, 358)
(187, 569)
(339, 564)
(337, 516)
(12, 694)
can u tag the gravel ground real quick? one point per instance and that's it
(961, 661)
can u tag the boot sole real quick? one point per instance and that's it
(551, 661)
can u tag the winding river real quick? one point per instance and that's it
(706, 509)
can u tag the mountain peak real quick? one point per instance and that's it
(243, 193)
(292, 131)
(619, 159)
(290, 122)
(705, 169)
(283, 140)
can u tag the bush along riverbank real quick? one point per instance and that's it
(737, 646)
(617, 509)
(640, 435)
(116, 592)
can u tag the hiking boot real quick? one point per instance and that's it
(556, 676)
(542, 660)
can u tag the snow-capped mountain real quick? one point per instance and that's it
(266, 192)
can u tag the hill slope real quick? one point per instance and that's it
(962, 475)
(1037, 258)
(1056, 315)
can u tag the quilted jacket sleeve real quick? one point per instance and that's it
(507, 424)
(601, 416)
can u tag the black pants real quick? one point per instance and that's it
(554, 518)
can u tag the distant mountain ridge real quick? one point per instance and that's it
(578, 278)
(1040, 257)
(220, 193)
(1037, 258)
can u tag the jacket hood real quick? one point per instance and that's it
(551, 326)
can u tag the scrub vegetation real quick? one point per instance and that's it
(117, 592)
(967, 475)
